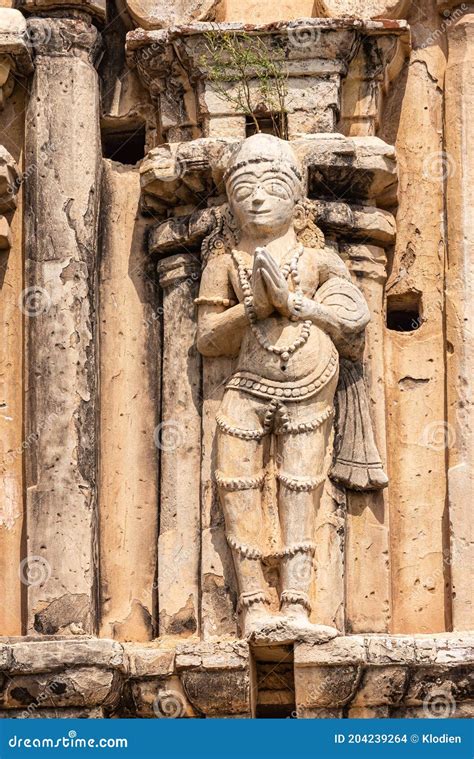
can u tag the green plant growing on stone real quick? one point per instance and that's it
(246, 74)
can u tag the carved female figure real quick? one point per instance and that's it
(284, 309)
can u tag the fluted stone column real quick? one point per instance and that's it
(415, 372)
(129, 407)
(15, 61)
(11, 371)
(62, 198)
(459, 137)
(368, 591)
(178, 437)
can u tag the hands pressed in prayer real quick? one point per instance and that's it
(273, 283)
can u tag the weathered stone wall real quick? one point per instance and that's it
(110, 524)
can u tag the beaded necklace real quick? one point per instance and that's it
(289, 269)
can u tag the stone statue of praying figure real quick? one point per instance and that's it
(274, 296)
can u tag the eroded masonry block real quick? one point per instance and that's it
(349, 676)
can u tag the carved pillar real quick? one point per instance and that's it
(63, 166)
(459, 135)
(11, 366)
(368, 602)
(129, 406)
(14, 61)
(378, 61)
(178, 437)
(415, 348)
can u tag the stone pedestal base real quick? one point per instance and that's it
(349, 676)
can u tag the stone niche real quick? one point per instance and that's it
(131, 601)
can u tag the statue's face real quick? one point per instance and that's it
(262, 200)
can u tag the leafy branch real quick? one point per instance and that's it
(245, 74)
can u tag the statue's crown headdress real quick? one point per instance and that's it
(265, 148)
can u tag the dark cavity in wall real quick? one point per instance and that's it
(268, 123)
(275, 682)
(404, 312)
(125, 146)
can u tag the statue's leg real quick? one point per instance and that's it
(240, 476)
(303, 464)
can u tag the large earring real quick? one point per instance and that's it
(306, 229)
(224, 236)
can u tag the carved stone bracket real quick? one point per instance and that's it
(346, 220)
(10, 181)
(315, 55)
(15, 50)
(336, 167)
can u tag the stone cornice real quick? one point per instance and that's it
(15, 47)
(176, 66)
(93, 8)
(143, 46)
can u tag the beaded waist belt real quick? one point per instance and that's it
(297, 390)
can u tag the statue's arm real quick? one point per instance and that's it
(338, 306)
(221, 321)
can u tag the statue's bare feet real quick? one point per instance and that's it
(297, 617)
(295, 613)
(255, 618)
